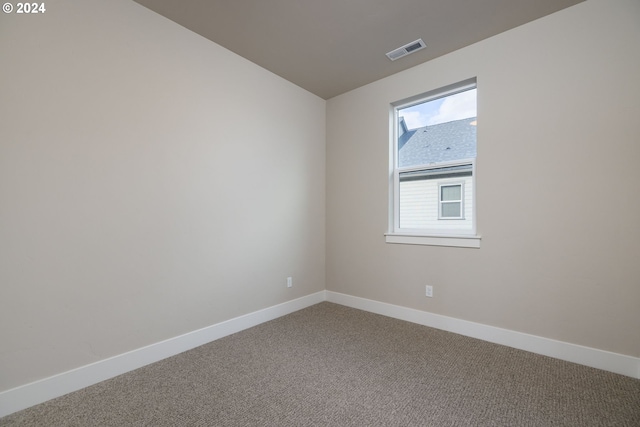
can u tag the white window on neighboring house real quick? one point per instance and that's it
(432, 173)
(451, 201)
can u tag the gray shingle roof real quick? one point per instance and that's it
(444, 142)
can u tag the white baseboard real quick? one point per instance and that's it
(605, 360)
(27, 395)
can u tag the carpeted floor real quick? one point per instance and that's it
(330, 365)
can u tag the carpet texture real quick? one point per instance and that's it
(329, 365)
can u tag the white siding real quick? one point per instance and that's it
(419, 205)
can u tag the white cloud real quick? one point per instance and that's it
(414, 119)
(455, 107)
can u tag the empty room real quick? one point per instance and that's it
(320, 213)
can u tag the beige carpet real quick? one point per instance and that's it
(330, 365)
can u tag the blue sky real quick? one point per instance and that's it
(455, 107)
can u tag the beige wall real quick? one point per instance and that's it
(151, 183)
(557, 184)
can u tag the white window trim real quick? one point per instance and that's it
(425, 237)
(457, 241)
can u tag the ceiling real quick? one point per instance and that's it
(329, 47)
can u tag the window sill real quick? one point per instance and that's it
(451, 241)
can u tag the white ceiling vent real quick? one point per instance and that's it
(406, 49)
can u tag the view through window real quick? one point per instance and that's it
(434, 164)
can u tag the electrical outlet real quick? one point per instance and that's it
(429, 291)
(289, 282)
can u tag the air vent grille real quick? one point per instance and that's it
(406, 49)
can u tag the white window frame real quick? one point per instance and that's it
(441, 202)
(395, 234)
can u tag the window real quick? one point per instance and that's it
(451, 201)
(432, 173)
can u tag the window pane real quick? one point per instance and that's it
(451, 192)
(435, 146)
(436, 131)
(451, 210)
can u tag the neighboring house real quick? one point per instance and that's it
(437, 198)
